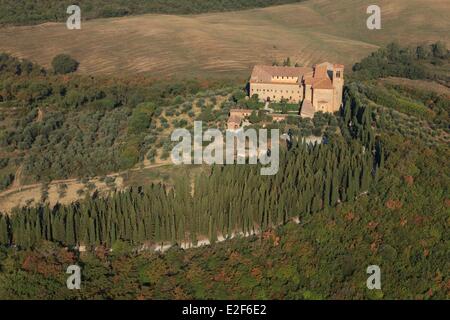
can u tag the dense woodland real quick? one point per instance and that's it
(375, 192)
(425, 112)
(428, 61)
(401, 225)
(38, 11)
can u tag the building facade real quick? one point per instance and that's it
(236, 118)
(319, 88)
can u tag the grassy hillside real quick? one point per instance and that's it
(32, 11)
(229, 44)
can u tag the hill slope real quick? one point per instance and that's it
(230, 43)
(28, 12)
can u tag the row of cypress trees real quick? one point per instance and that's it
(229, 199)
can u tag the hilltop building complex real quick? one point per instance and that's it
(315, 89)
(318, 88)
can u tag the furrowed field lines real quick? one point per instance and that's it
(227, 44)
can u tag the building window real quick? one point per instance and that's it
(338, 74)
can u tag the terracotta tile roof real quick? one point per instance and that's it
(235, 119)
(262, 73)
(321, 71)
(321, 77)
(324, 83)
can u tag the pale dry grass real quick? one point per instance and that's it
(228, 44)
(31, 194)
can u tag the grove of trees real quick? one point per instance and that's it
(422, 62)
(61, 126)
(229, 200)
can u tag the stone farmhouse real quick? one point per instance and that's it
(236, 118)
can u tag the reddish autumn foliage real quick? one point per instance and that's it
(349, 216)
(447, 203)
(409, 180)
(256, 273)
(394, 204)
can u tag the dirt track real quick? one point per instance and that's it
(18, 195)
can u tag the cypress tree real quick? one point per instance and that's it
(70, 230)
(4, 233)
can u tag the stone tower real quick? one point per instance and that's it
(338, 85)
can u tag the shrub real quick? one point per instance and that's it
(6, 180)
(63, 64)
(4, 162)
